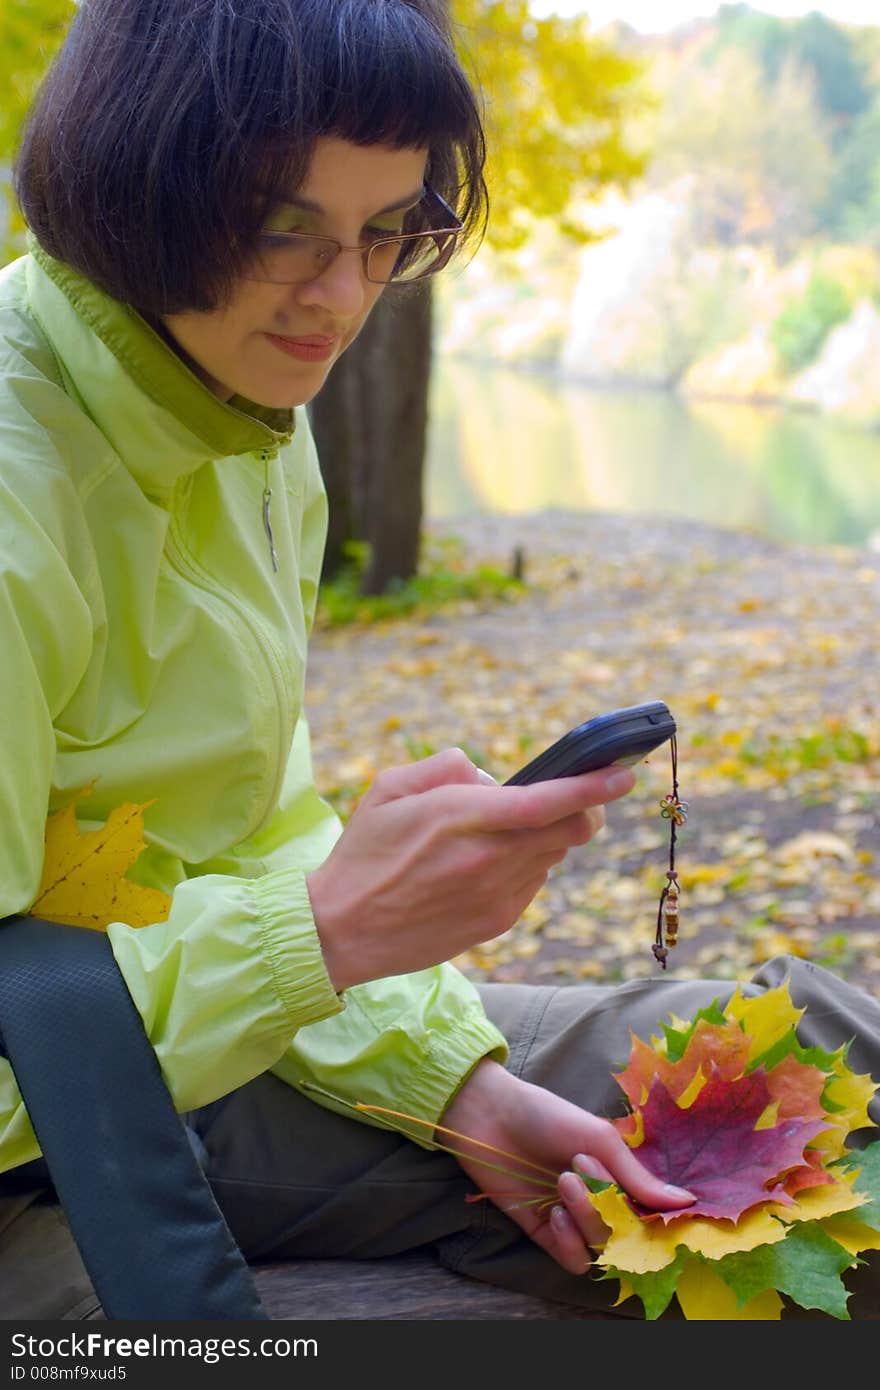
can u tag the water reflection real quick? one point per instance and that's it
(508, 441)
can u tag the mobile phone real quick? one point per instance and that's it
(623, 737)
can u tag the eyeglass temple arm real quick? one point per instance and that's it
(455, 221)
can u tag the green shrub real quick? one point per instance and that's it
(800, 331)
(443, 579)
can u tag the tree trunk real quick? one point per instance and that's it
(370, 426)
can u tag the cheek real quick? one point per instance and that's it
(375, 295)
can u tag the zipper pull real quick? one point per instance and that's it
(267, 520)
(267, 523)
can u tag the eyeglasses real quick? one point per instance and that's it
(288, 258)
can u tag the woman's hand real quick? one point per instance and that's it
(438, 857)
(497, 1108)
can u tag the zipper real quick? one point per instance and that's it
(267, 456)
(179, 558)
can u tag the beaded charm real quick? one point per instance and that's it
(676, 812)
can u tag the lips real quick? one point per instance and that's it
(313, 347)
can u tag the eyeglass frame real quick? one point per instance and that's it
(366, 251)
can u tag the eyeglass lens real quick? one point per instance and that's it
(289, 258)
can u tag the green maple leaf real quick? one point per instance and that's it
(807, 1266)
(677, 1039)
(867, 1160)
(656, 1290)
(789, 1045)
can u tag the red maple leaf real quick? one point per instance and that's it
(713, 1149)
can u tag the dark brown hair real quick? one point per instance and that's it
(165, 130)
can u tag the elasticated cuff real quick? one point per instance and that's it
(432, 1085)
(290, 940)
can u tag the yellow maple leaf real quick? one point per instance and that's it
(815, 1203)
(704, 1297)
(850, 1093)
(852, 1234)
(764, 1017)
(644, 1247)
(83, 881)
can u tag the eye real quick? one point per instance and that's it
(286, 218)
(272, 240)
(374, 233)
(285, 224)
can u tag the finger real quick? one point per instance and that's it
(547, 846)
(619, 1159)
(542, 803)
(559, 1237)
(565, 1242)
(576, 1197)
(559, 837)
(592, 1168)
(451, 766)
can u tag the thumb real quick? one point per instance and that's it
(452, 766)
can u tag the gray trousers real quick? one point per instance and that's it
(295, 1180)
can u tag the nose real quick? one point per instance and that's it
(342, 288)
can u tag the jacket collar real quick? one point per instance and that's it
(160, 418)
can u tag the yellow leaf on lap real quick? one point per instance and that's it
(704, 1297)
(852, 1233)
(83, 882)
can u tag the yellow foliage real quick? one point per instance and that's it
(706, 1298)
(765, 1018)
(851, 1095)
(816, 1203)
(693, 875)
(852, 1234)
(777, 943)
(644, 1247)
(556, 104)
(83, 882)
(690, 1093)
(30, 32)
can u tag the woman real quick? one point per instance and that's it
(216, 199)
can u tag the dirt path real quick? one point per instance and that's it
(768, 657)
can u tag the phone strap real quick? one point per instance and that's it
(146, 1223)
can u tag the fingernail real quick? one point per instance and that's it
(571, 1186)
(486, 777)
(559, 1218)
(620, 780)
(680, 1192)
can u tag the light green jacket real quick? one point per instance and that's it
(148, 646)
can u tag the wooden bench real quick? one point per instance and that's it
(412, 1286)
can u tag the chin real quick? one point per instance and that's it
(286, 395)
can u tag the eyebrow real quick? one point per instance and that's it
(308, 205)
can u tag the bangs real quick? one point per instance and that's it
(388, 80)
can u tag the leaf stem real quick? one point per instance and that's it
(381, 1111)
(539, 1168)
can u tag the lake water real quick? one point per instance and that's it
(510, 441)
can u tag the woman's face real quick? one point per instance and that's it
(275, 344)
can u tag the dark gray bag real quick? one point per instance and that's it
(142, 1213)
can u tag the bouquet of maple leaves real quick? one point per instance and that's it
(733, 1108)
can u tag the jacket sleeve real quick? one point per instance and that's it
(47, 622)
(406, 1042)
